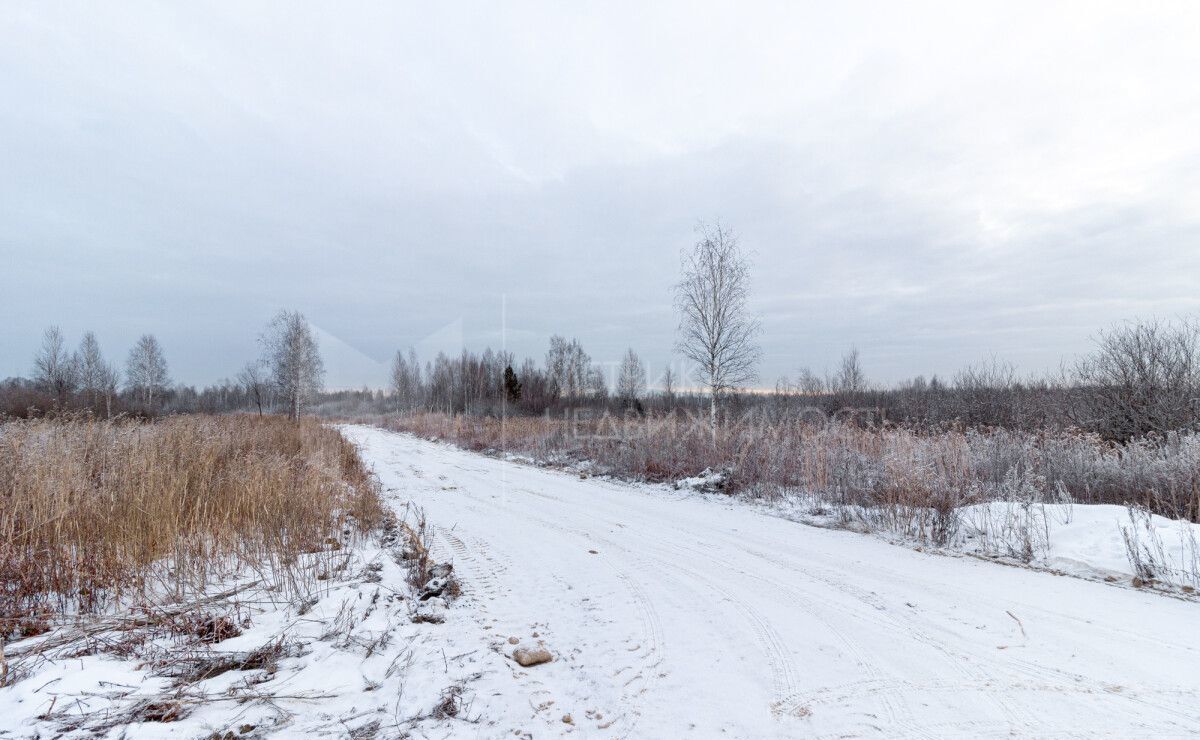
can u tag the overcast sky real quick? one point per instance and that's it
(933, 184)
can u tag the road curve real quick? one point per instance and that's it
(676, 614)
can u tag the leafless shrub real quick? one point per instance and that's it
(1143, 378)
(985, 393)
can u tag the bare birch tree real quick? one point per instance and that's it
(406, 380)
(850, 379)
(716, 330)
(631, 378)
(89, 368)
(97, 377)
(146, 370)
(110, 381)
(809, 383)
(55, 370)
(569, 370)
(291, 353)
(668, 386)
(253, 379)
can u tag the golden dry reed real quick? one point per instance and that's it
(92, 511)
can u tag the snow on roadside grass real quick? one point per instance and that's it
(349, 661)
(1093, 541)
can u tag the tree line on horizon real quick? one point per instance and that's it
(288, 375)
(1142, 379)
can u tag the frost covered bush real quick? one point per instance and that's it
(1014, 529)
(1149, 555)
(909, 480)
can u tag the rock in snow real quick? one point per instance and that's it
(528, 656)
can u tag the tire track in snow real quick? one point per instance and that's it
(653, 631)
(787, 700)
(888, 690)
(853, 590)
(968, 663)
(653, 643)
(650, 646)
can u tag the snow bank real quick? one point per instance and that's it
(1093, 541)
(1087, 540)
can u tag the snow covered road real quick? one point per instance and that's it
(674, 614)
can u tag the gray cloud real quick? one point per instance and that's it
(929, 186)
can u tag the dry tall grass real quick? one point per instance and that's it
(909, 475)
(96, 511)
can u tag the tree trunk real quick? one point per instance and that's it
(712, 414)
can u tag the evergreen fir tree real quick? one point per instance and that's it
(512, 386)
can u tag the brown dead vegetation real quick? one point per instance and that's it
(892, 470)
(93, 512)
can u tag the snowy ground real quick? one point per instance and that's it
(668, 613)
(343, 658)
(1107, 542)
(676, 614)
(1111, 543)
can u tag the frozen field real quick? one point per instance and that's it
(674, 614)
